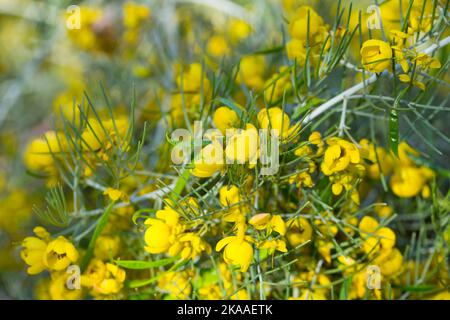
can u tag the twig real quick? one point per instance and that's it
(343, 115)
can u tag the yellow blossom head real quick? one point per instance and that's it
(237, 251)
(225, 118)
(59, 254)
(376, 55)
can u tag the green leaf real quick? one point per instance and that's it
(142, 282)
(181, 183)
(98, 230)
(270, 50)
(343, 294)
(393, 130)
(419, 288)
(139, 265)
(55, 212)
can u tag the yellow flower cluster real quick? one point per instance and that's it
(377, 56)
(43, 253)
(222, 159)
(308, 32)
(167, 234)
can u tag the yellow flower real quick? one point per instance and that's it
(360, 279)
(324, 248)
(59, 254)
(303, 151)
(63, 104)
(209, 162)
(238, 30)
(34, 249)
(18, 202)
(240, 295)
(399, 37)
(192, 82)
(339, 155)
(327, 228)
(159, 236)
(421, 17)
(278, 85)
(194, 79)
(229, 196)
(377, 241)
(404, 152)
(217, 46)
(377, 159)
(107, 247)
(85, 37)
(225, 118)
(298, 28)
(346, 260)
(383, 211)
(400, 58)
(40, 154)
(296, 50)
(311, 295)
(134, 14)
(299, 231)
(407, 79)
(58, 289)
(272, 245)
(376, 55)
(270, 222)
(368, 225)
(276, 119)
(210, 291)
(426, 62)
(302, 179)
(392, 263)
(93, 136)
(251, 72)
(407, 182)
(242, 146)
(238, 251)
(444, 295)
(315, 138)
(113, 281)
(176, 284)
(115, 194)
(317, 290)
(191, 246)
(103, 278)
(95, 273)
